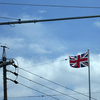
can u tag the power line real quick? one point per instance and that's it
(56, 83)
(46, 63)
(32, 96)
(75, 74)
(57, 67)
(62, 6)
(48, 87)
(9, 18)
(48, 20)
(32, 57)
(38, 91)
(32, 88)
(63, 70)
(50, 65)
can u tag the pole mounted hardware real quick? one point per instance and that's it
(3, 63)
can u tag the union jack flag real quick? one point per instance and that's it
(79, 60)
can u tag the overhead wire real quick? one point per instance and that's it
(20, 4)
(63, 70)
(48, 20)
(74, 74)
(57, 67)
(9, 18)
(32, 89)
(48, 87)
(38, 91)
(31, 96)
(45, 63)
(55, 83)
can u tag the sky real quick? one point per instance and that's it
(40, 49)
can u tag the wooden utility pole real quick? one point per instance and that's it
(4, 72)
(3, 63)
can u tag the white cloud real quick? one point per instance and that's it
(60, 72)
(97, 24)
(39, 39)
(38, 48)
(12, 42)
(42, 11)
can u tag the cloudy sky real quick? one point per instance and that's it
(40, 49)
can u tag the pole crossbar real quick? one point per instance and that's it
(46, 20)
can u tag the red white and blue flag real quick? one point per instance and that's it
(79, 60)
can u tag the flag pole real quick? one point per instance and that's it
(89, 76)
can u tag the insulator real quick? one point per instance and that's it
(15, 81)
(15, 73)
(15, 66)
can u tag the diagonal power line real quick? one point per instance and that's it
(48, 87)
(47, 20)
(38, 91)
(8, 18)
(32, 88)
(56, 83)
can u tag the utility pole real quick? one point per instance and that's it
(3, 63)
(4, 72)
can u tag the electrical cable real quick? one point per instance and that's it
(75, 74)
(31, 57)
(48, 20)
(49, 5)
(9, 18)
(49, 63)
(32, 96)
(32, 89)
(48, 87)
(45, 86)
(38, 91)
(46, 63)
(56, 83)
(55, 66)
